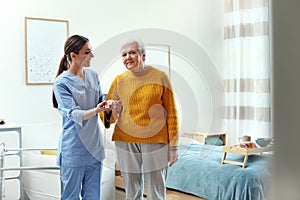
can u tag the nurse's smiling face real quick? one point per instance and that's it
(83, 58)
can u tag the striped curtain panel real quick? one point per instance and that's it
(247, 69)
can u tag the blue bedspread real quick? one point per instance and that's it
(199, 171)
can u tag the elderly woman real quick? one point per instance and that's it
(146, 130)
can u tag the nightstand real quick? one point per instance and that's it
(202, 137)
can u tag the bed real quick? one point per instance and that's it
(45, 184)
(199, 171)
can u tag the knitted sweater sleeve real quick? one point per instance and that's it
(171, 112)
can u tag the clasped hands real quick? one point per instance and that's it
(109, 105)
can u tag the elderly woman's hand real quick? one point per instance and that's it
(173, 156)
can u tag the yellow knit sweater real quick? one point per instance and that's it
(149, 112)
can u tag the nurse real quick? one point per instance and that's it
(79, 99)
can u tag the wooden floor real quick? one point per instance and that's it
(175, 195)
(171, 194)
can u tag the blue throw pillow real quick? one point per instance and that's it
(214, 141)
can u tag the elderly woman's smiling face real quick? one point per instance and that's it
(131, 56)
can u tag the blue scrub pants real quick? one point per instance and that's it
(84, 181)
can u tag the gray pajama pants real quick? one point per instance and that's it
(143, 164)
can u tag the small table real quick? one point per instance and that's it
(236, 149)
(201, 136)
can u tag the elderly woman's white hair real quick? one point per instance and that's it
(140, 44)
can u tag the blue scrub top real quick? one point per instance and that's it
(80, 142)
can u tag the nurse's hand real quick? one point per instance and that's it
(109, 104)
(101, 107)
(114, 105)
(94, 111)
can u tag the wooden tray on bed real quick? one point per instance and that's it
(236, 149)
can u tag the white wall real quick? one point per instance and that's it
(99, 20)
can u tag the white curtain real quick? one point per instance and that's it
(247, 69)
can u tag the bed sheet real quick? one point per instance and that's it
(199, 171)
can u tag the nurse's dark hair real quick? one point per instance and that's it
(73, 44)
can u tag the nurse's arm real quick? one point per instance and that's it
(94, 111)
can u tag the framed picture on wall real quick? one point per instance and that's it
(44, 45)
